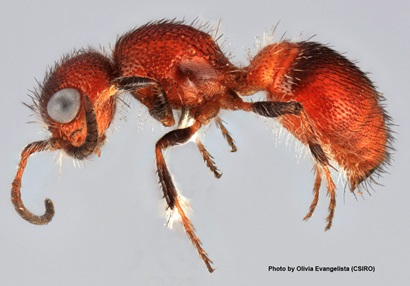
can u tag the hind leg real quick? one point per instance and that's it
(322, 164)
(331, 191)
(275, 109)
(316, 188)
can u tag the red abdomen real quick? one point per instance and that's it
(341, 103)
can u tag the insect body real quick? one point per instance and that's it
(323, 99)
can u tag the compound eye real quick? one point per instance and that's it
(63, 106)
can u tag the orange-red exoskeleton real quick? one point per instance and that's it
(318, 95)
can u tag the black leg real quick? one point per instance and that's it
(162, 110)
(175, 201)
(132, 83)
(275, 109)
(322, 163)
(175, 137)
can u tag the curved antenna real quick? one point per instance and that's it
(16, 186)
(87, 148)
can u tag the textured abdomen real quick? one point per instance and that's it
(341, 103)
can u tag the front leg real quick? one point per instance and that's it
(151, 94)
(161, 109)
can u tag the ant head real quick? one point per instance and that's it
(77, 102)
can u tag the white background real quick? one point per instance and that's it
(109, 225)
